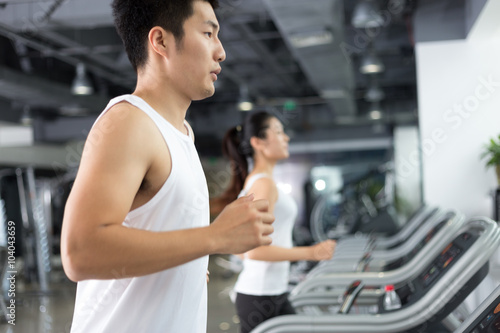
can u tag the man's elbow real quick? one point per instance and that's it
(74, 265)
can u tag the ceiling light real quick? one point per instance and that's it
(375, 114)
(374, 93)
(244, 103)
(312, 38)
(366, 15)
(245, 106)
(375, 111)
(333, 93)
(81, 84)
(73, 110)
(371, 64)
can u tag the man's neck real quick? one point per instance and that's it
(164, 99)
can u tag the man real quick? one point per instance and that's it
(136, 233)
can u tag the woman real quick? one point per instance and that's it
(262, 285)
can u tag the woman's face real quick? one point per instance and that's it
(275, 145)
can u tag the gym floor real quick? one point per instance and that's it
(51, 312)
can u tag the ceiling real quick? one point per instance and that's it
(315, 88)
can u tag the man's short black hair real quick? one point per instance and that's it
(135, 18)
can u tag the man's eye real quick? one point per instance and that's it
(209, 34)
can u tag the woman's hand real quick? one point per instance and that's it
(323, 250)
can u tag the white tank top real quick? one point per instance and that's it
(174, 300)
(263, 278)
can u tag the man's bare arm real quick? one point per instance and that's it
(95, 244)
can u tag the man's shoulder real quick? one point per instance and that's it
(123, 116)
(125, 111)
(123, 126)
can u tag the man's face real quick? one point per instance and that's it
(196, 62)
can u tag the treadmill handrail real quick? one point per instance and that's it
(361, 266)
(478, 311)
(408, 317)
(420, 234)
(406, 272)
(420, 216)
(409, 228)
(366, 297)
(381, 258)
(351, 295)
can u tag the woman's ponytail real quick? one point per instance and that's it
(232, 149)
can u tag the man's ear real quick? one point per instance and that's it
(161, 41)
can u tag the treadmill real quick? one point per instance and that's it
(379, 242)
(427, 299)
(353, 253)
(438, 228)
(486, 318)
(394, 273)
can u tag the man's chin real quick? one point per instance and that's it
(207, 94)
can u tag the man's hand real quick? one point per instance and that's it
(243, 225)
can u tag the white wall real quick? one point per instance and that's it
(407, 163)
(459, 111)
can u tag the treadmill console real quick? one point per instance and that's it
(447, 256)
(488, 321)
(414, 290)
(407, 258)
(446, 259)
(428, 237)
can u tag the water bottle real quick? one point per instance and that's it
(391, 298)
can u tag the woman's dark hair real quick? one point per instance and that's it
(236, 146)
(134, 19)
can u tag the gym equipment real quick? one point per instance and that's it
(423, 244)
(365, 206)
(35, 212)
(486, 318)
(418, 218)
(405, 269)
(354, 253)
(428, 297)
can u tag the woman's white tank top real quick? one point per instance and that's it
(261, 278)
